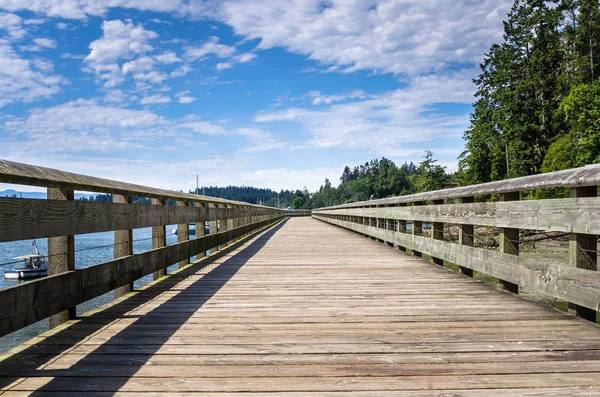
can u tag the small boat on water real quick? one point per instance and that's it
(192, 227)
(36, 265)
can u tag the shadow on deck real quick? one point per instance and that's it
(31, 361)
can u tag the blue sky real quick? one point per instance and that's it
(278, 94)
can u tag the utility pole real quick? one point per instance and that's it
(197, 189)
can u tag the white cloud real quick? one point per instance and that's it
(138, 65)
(12, 24)
(61, 26)
(320, 99)
(168, 57)
(21, 82)
(262, 141)
(221, 51)
(80, 9)
(392, 36)
(245, 57)
(211, 47)
(119, 41)
(187, 99)
(34, 21)
(68, 55)
(160, 21)
(181, 71)
(79, 125)
(115, 96)
(44, 42)
(43, 65)
(389, 120)
(204, 127)
(154, 99)
(87, 126)
(223, 66)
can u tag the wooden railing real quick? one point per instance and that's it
(298, 213)
(60, 217)
(575, 281)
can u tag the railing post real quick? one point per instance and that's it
(402, 227)
(466, 235)
(212, 224)
(123, 240)
(509, 240)
(391, 227)
(417, 229)
(583, 250)
(372, 223)
(183, 233)
(379, 223)
(228, 221)
(221, 221)
(437, 233)
(61, 256)
(236, 217)
(200, 226)
(159, 239)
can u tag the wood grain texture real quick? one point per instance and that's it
(555, 279)
(25, 174)
(287, 314)
(571, 215)
(22, 219)
(28, 303)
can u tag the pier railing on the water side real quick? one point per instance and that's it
(576, 282)
(60, 217)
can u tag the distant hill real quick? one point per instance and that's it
(33, 195)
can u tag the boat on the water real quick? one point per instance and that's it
(36, 265)
(192, 227)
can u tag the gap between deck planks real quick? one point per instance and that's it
(306, 308)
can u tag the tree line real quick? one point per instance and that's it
(378, 178)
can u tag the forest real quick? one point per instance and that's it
(537, 104)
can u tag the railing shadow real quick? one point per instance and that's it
(29, 362)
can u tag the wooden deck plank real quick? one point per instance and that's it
(308, 309)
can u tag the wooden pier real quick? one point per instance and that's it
(310, 307)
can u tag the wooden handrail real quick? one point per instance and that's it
(25, 174)
(575, 281)
(588, 175)
(60, 218)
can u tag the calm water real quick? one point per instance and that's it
(88, 255)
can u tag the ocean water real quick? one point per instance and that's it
(90, 249)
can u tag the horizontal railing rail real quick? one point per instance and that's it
(399, 221)
(59, 218)
(298, 213)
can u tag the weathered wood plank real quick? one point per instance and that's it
(30, 302)
(575, 285)
(61, 256)
(571, 215)
(22, 219)
(308, 309)
(123, 240)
